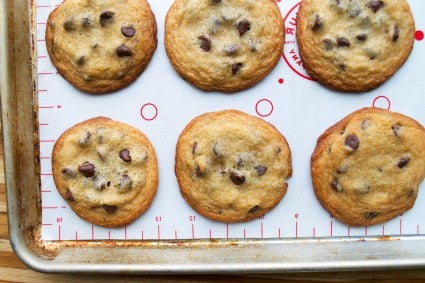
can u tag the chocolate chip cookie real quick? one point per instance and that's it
(107, 171)
(224, 45)
(231, 166)
(354, 45)
(366, 169)
(101, 46)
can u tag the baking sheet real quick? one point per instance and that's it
(160, 104)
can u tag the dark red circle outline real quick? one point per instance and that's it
(261, 100)
(283, 53)
(149, 104)
(386, 98)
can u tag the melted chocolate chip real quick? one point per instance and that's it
(81, 61)
(216, 1)
(87, 169)
(342, 169)
(110, 208)
(342, 42)
(69, 25)
(342, 67)
(69, 172)
(396, 129)
(125, 155)
(261, 169)
(237, 179)
(254, 209)
(231, 49)
(336, 185)
(370, 215)
(317, 23)
(205, 43)
(198, 171)
(99, 184)
(328, 44)
(352, 141)
(403, 161)
(125, 183)
(123, 51)
(396, 33)
(236, 67)
(361, 37)
(365, 124)
(216, 149)
(85, 22)
(375, 5)
(128, 31)
(69, 196)
(106, 18)
(243, 26)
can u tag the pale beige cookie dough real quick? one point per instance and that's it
(357, 45)
(101, 46)
(231, 166)
(367, 168)
(106, 170)
(224, 45)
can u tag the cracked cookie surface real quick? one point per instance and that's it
(224, 45)
(231, 166)
(354, 45)
(107, 171)
(101, 46)
(366, 169)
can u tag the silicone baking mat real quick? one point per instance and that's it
(160, 104)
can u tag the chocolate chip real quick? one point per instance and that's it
(239, 162)
(237, 179)
(69, 196)
(243, 26)
(85, 139)
(99, 184)
(125, 183)
(342, 42)
(231, 49)
(261, 169)
(205, 43)
(198, 171)
(328, 44)
(87, 169)
(370, 215)
(403, 161)
(354, 13)
(128, 31)
(69, 25)
(336, 185)
(110, 208)
(194, 146)
(342, 67)
(95, 46)
(106, 18)
(361, 37)
(81, 61)
(69, 172)
(236, 67)
(254, 209)
(365, 124)
(123, 51)
(342, 169)
(125, 155)
(352, 141)
(217, 149)
(396, 129)
(396, 33)
(375, 5)
(317, 23)
(216, 1)
(86, 22)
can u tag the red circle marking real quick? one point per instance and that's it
(419, 35)
(283, 53)
(382, 97)
(143, 109)
(281, 81)
(262, 101)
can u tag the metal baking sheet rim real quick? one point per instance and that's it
(19, 112)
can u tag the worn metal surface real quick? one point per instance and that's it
(21, 156)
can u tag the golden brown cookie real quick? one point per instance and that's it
(101, 46)
(107, 171)
(366, 169)
(231, 166)
(224, 45)
(354, 45)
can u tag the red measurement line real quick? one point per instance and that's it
(45, 73)
(227, 230)
(365, 231)
(159, 232)
(175, 234)
(50, 207)
(210, 234)
(76, 235)
(314, 232)
(348, 231)
(44, 6)
(383, 230)
(125, 232)
(46, 107)
(47, 140)
(262, 230)
(63, 206)
(331, 228)
(41, 23)
(193, 231)
(92, 232)
(401, 226)
(42, 56)
(109, 235)
(41, 40)
(59, 232)
(43, 124)
(47, 224)
(46, 174)
(296, 229)
(244, 233)
(42, 90)
(46, 191)
(143, 235)
(44, 157)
